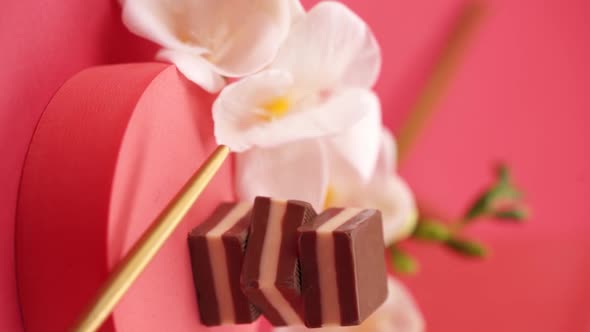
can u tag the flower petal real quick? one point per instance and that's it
(394, 198)
(389, 194)
(155, 20)
(290, 171)
(237, 113)
(338, 113)
(398, 313)
(237, 37)
(330, 47)
(296, 9)
(195, 68)
(354, 152)
(248, 34)
(387, 154)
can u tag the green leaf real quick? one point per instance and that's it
(503, 174)
(402, 262)
(511, 215)
(480, 206)
(467, 247)
(431, 230)
(501, 190)
(504, 187)
(506, 191)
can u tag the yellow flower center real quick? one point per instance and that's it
(276, 108)
(330, 197)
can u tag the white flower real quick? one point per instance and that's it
(399, 313)
(319, 84)
(208, 39)
(385, 191)
(328, 172)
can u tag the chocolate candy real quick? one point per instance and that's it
(271, 272)
(344, 277)
(217, 250)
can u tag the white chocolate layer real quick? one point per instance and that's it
(326, 256)
(269, 264)
(219, 261)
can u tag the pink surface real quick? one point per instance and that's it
(521, 95)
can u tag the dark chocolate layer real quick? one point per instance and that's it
(289, 272)
(358, 259)
(233, 243)
(361, 238)
(287, 281)
(310, 288)
(310, 270)
(201, 266)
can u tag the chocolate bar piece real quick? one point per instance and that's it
(271, 272)
(344, 277)
(217, 250)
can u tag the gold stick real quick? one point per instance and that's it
(148, 245)
(441, 76)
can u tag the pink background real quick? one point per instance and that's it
(520, 95)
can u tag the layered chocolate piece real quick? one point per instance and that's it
(217, 250)
(271, 271)
(344, 276)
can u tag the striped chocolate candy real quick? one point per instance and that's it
(271, 272)
(217, 250)
(344, 277)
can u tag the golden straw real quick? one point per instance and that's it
(148, 245)
(441, 76)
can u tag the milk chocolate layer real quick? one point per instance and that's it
(271, 271)
(217, 250)
(344, 276)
